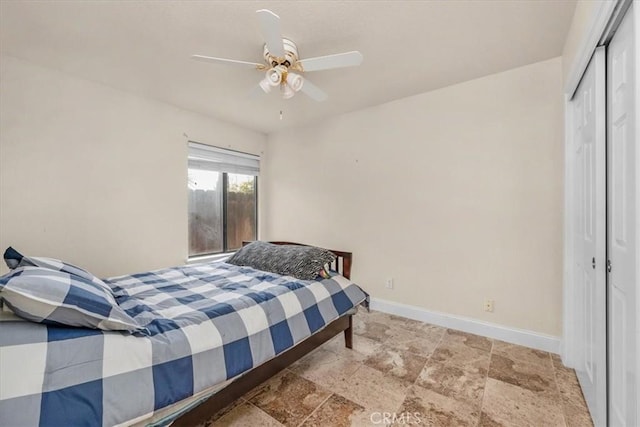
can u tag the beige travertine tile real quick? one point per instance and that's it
(380, 317)
(463, 383)
(246, 415)
(569, 388)
(402, 364)
(459, 354)
(371, 329)
(213, 420)
(403, 322)
(530, 376)
(523, 354)
(510, 405)
(433, 409)
(289, 398)
(558, 365)
(487, 421)
(348, 387)
(335, 344)
(373, 390)
(325, 368)
(363, 347)
(576, 412)
(433, 329)
(452, 336)
(577, 416)
(366, 315)
(338, 412)
(418, 342)
(395, 331)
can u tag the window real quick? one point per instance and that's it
(223, 202)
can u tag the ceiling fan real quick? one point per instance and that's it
(282, 66)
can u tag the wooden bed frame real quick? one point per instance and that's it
(258, 375)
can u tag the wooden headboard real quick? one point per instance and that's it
(342, 264)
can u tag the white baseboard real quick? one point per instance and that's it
(491, 330)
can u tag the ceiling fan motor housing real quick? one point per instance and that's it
(290, 55)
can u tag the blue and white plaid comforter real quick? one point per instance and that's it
(205, 323)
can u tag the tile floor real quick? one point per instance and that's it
(419, 373)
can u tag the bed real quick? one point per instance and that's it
(212, 331)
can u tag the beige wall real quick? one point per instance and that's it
(455, 193)
(94, 175)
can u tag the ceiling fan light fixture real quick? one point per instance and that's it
(287, 91)
(295, 81)
(274, 76)
(265, 85)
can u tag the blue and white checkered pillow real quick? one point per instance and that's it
(15, 259)
(55, 297)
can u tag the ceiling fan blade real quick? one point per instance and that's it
(339, 60)
(270, 25)
(313, 91)
(226, 61)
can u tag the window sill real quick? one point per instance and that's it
(209, 258)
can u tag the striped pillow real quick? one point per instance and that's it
(301, 262)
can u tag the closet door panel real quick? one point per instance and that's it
(621, 224)
(590, 141)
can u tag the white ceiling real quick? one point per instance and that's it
(409, 47)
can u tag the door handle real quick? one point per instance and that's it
(593, 262)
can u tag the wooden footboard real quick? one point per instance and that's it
(242, 385)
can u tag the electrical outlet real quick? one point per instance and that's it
(488, 305)
(389, 284)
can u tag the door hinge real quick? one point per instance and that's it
(608, 266)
